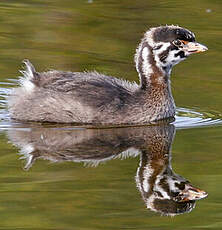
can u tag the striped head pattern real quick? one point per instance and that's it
(163, 47)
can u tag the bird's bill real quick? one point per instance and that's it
(192, 193)
(194, 47)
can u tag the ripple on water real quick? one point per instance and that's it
(192, 118)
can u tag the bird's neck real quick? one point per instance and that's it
(151, 73)
(155, 86)
(152, 168)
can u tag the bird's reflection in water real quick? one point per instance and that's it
(161, 189)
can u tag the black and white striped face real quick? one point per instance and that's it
(163, 190)
(173, 195)
(178, 189)
(171, 44)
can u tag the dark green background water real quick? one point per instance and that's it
(102, 35)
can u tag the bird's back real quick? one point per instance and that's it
(93, 88)
(57, 96)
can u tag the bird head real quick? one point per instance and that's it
(165, 46)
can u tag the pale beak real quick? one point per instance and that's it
(194, 47)
(192, 193)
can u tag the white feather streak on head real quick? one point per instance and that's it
(148, 172)
(144, 54)
(156, 53)
(146, 66)
(148, 37)
(174, 59)
(136, 57)
(161, 190)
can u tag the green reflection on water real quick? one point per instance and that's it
(64, 195)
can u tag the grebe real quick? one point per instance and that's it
(93, 98)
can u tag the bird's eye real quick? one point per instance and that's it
(177, 42)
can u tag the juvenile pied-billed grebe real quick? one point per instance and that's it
(92, 98)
